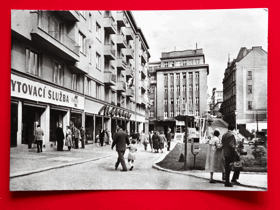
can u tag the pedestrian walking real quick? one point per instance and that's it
(68, 139)
(230, 154)
(39, 133)
(143, 140)
(150, 140)
(137, 136)
(215, 161)
(76, 136)
(162, 140)
(120, 140)
(106, 137)
(131, 155)
(101, 137)
(155, 140)
(168, 138)
(59, 137)
(82, 134)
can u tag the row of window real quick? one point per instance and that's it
(171, 113)
(182, 63)
(178, 88)
(183, 101)
(190, 76)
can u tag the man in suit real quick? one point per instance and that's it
(39, 133)
(150, 139)
(101, 137)
(230, 153)
(82, 132)
(59, 137)
(168, 137)
(120, 140)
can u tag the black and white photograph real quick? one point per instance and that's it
(139, 100)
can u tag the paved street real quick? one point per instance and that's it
(100, 174)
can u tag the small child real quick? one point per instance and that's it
(131, 155)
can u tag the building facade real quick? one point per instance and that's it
(245, 89)
(178, 86)
(216, 101)
(81, 68)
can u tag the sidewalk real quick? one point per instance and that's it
(24, 162)
(246, 179)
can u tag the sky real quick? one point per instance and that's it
(220, 33)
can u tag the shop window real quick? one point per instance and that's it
(33, 62)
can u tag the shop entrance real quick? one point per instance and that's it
(151, 127)
(56, 117)
(89, 128)
(113, 126)
(30, 115)
(14, 124)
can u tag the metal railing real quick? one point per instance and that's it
(55, 31)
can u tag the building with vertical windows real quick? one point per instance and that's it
(178, 86)
(245, 89)
(78, 68)
(216, 101)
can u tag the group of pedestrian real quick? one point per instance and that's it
(221, 153)
(73, 136)
(104, 137)
(157, 140)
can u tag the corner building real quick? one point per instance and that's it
(82, 68)
(178, 85)
(245, 90)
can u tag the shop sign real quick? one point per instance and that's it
(28, 89)
(113, 111)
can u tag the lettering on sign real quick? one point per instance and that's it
(25, 88)
(113, 111)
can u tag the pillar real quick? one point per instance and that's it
(19, 132)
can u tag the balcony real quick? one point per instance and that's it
(110, 25)
(51, 37)
(129, 53)
(121, 65)
(69, 15)
(121, 86)
(109, 52)
(128, 33)
(129, 72)
(110, 78)
(121, 41)
(121, 19)
(130, 92)
(143, 85)
(144, 57)
(143, 71)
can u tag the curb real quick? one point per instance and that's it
(25, 173)
(193, 175)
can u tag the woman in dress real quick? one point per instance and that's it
(155, 140)
(215, 161)
(162, 139)
(68, 141)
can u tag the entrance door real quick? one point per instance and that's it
(56, 117)
(14, 124)
(98, 124)
(30, 115)
(89, 128)
(113, 126)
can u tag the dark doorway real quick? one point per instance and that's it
(30, 115)
(98, 125)
(14, 124)
(56, 117)
(89, 128)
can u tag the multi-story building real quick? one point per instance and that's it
(245, 89)
(216, 101)
(178, 86)
(82, 68)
